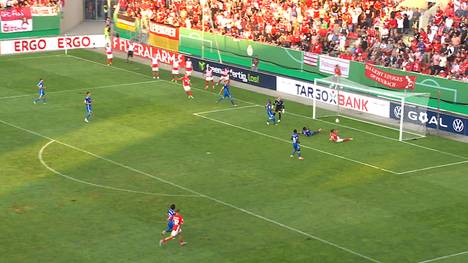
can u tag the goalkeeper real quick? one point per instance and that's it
(279, 107)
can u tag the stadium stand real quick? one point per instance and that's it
(25, 3)
(376, 32)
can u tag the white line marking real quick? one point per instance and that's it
(444, 257)
(41, 159)
(433, 167)
(226, 109)
(27, 58)
(304, 146)
(197, 193)
(249, 102)
(378, 135)
(72, 90)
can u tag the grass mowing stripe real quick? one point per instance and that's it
(444, 257)
(298, 231)
(41, 159)
(305, 146)
(35, 57)
(72, 90)
(249, 102)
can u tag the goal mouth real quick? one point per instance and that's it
(403, 112)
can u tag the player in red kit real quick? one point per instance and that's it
(155, 67)
(337, 76)
(334, 137)
(209, 78)
(109, 55)
(175, 70)
(186, 84)
(176, 230)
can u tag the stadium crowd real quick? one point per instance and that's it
(25, 3)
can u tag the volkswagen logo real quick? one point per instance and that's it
(397, 111)
(458, 125)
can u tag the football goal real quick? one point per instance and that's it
(404, 112)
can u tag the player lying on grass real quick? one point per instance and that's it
(270, 113)
(41, 90)
(186, 84)
(170, 221)
(309, 133)
(334, 137)
(176, 229)
(226, 91)
(296, 145)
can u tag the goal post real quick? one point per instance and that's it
(403, 112)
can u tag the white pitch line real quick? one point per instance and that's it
(226, 109)
(41, 159)
(249, 102)
(444, 257)
(298, 231)
(72, 90)
(36, 57)
(304, 146)
(433, 167)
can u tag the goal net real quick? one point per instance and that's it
(402, 112)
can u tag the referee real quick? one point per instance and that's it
(279, 107)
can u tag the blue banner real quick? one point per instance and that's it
(419, 115)
(236, 74)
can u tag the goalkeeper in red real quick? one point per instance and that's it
(178, 221)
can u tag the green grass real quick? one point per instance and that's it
(243, 198)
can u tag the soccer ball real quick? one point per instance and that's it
(337, 120)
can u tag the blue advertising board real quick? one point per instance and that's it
(442, 121)
(236, 74)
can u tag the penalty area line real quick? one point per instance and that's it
(225, 109)
(41, 159)
(304, 146)
(298, 231)
(433, 167)
(444, 257)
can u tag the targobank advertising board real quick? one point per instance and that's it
(445, 122)
(344, 99)
(237, 74)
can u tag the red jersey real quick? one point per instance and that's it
(178, 221)
(186, 81)
(154, 62)
(337, 71)
(175, 65)
(334, 137)
(109, 51)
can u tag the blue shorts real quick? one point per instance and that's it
(296, 147)
(169, 227)
(41, 93)
(227, 95)
(89, 109)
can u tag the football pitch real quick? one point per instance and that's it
(98, 192)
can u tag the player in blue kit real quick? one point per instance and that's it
(296, 145)
(89, 108)
(226, 93)
(170, 222)
(42, 95)
(270, 113)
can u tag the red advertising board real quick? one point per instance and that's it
(146, 51)
(16, 20)
(388, 79)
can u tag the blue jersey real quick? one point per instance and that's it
(295, 141)
(40, 85)
(227, 93)
(170, 221)
(269, 110)
(88, 102)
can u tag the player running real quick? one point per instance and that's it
(41, 90)
(170, 221)
(109, 54)
(155, 67)
(176, 229)
(188, 67)
(296, 145)
(334, 137)
(279, 108)
(270, 113)
(226, 90)
(175, 70)
(224, 76)
(89, 108)
(186, 84)
(209, 78)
